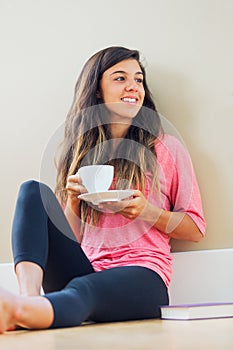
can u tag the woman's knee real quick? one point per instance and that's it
(33, 190)
(30, 185)
(28, 188)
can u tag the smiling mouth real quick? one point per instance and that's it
(129, 99)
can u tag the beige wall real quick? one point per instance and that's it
(189, 53)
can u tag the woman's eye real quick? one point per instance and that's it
(120, 78)
(138, 80)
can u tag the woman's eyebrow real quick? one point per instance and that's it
(123, 72)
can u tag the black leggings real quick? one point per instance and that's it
(76, 292)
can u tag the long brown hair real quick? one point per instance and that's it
(87, 134)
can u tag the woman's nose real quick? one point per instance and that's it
(131, 85)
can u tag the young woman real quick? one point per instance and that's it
(109, 262)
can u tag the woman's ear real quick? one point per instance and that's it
(98, 94)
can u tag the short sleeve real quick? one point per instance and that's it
(180, 181)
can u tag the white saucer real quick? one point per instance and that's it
(108, 196)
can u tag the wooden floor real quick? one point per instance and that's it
(137, 335)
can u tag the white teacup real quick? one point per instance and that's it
(96, 178)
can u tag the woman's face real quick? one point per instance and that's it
(122, 90)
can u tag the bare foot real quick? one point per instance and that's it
(8, 309)
(34, 312)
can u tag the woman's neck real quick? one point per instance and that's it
(118, 130)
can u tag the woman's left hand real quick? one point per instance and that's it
(130, 208)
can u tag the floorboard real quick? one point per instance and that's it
(136, 335)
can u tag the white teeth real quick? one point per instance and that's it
(131, 100)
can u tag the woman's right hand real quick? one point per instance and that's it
(74, 188)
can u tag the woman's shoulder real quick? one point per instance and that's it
(171, 151)
(168, 142)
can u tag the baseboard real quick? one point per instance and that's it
(198, 276)
(202, 276)
(7, 277)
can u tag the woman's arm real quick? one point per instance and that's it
(73, 217)
(177, 225)
(74, 188)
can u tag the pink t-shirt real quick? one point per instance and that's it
(118, 241)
